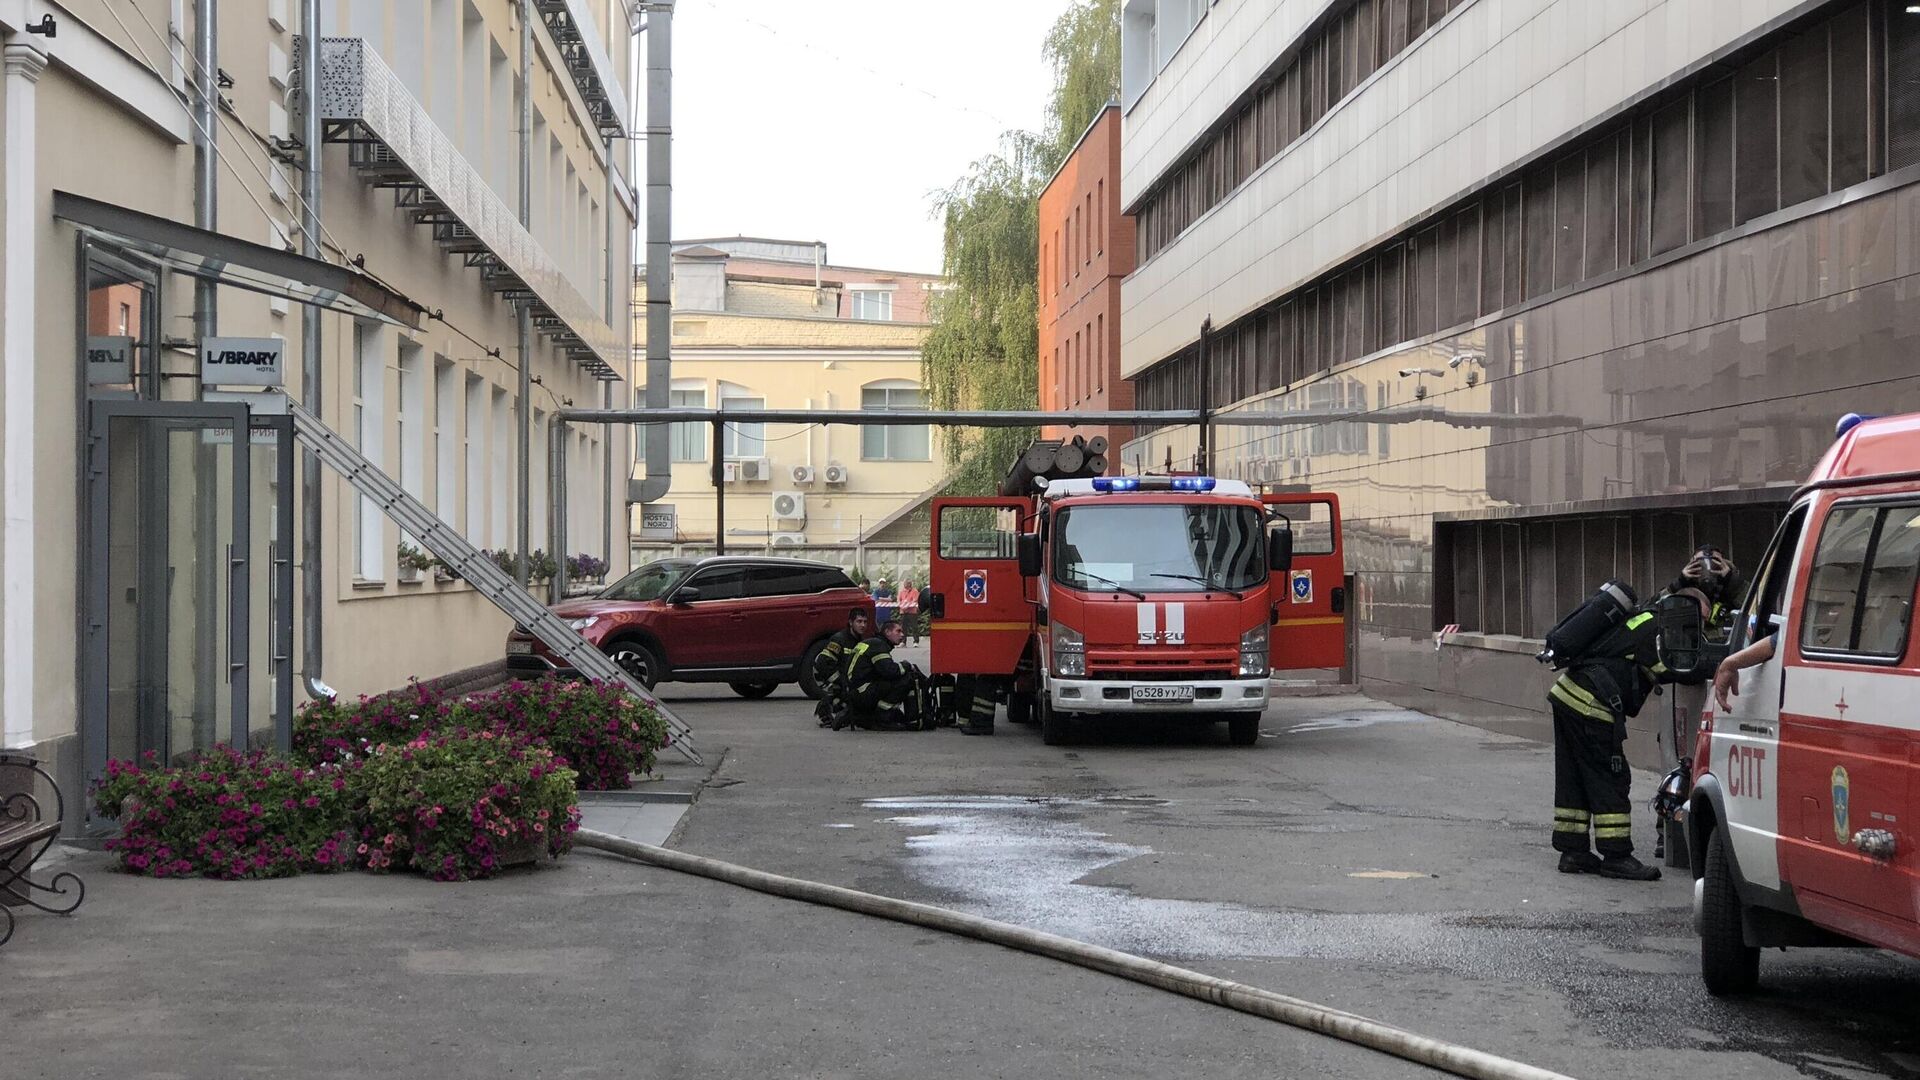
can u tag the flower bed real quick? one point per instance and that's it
(461, 805)
(597, 729)
(228, 815)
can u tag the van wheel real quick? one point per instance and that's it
(753, 691)
(1243, 729)
(1055, 728)
(1728, 965)
(637, 660)
(808, 684)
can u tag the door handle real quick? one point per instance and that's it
(236, 635)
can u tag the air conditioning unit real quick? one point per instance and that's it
(836, 474)
(802, 474)
(790, 505)
(789, 540)
(756, 469)
(729, 472)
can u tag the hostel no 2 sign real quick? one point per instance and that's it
(228, 361)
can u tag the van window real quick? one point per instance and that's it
(1765, 598)
(1860, 598)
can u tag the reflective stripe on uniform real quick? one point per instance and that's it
(1612, 826)
(1639, 620)
(1568, 820)
(1575, 697)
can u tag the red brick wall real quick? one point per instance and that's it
(1086, 247)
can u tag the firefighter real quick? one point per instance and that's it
(830, 663)
(882, 691)
(1591, 703)
(974, 704)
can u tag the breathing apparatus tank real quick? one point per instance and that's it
(1585, 625)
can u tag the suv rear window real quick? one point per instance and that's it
(779, 580)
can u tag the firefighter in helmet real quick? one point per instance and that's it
(882, 691)
(830, 663)
(1607, 683)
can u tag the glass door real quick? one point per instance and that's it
(168, 638)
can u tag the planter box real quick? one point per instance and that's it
(409, 576)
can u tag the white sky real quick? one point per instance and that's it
(835, 121)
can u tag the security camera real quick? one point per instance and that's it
(1409, 372)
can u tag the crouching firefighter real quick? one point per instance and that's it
(883, 692)
(830, 665)
(1607, 648)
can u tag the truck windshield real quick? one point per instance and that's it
(1171, 547)
(650, 582)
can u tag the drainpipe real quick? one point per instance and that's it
(659, 477)
(523, 426)
(557, 435)
(626, 355)
(206, 166)
(312, 386)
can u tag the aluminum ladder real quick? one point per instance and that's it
(477, 569)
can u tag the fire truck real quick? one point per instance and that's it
(1084, 598)
(1800, 823)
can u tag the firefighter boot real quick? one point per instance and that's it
(1579, 862)
(1627, 868)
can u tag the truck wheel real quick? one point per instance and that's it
(1728, 965)
(1020, 708)
(1243, 729)
(1055, 728)
(753, 691)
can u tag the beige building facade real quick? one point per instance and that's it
(766, 324)
(151, 551)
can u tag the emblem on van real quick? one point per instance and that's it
(1840, 792)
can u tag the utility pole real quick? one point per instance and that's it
(1204, 459)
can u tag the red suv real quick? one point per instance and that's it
(750, 623)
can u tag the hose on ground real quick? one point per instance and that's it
(1447, 1057)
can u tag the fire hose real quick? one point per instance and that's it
(1348, 1027)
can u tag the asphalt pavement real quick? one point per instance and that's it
(1366, 857)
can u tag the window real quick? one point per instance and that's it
(503, 474)
(780, 580)
(720, 582)
(446, 463)
(689, 439)
(907, 443)
(743, 439)
(1166, 548)
(1860, 598)
(875, 304)
(474, 443)
(976, 532)
(369, 378)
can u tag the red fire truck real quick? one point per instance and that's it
(1800, 824)
(1173, 596)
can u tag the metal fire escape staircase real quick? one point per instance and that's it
(477, 569)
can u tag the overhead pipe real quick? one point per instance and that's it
(312, 385)
(659, 464)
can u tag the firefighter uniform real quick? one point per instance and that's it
(1591, 703)
(974, 704)
(829, 665)
(878, 685)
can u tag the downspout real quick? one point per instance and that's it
(206, 166)
(659, 477)
(558, 433)
(606, 387)
(523, 425)
(312, 386)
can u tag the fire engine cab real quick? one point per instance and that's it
(1800, 824)
(1170, 596)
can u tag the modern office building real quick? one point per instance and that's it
(772, 324)
(151, 547)
(1086, 248)
(1546, 290)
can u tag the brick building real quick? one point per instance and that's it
(1086, 248)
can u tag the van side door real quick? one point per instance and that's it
(1846, 722)
(1745, 754)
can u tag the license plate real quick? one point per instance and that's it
(1163, 693)
(519, 648)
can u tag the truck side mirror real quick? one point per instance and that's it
(1280, 550)
(1028, 550)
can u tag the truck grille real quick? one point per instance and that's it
(1162, 663)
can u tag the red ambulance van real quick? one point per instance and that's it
(1798, 825)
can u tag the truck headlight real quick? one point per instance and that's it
(1069, 652)
(582, 624)
(1254, 658)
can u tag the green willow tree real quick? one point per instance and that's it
(983, 349)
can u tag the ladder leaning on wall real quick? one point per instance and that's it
(476, 568)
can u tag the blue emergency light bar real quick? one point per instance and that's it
(1850, 421)
(1153, 483)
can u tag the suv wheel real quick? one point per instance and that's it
(637, 660)
(753, 691)
(1728, 965)
(808, 684)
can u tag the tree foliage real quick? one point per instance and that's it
(983, 350)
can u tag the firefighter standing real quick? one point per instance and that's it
(1591, 702)
(830, 663)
